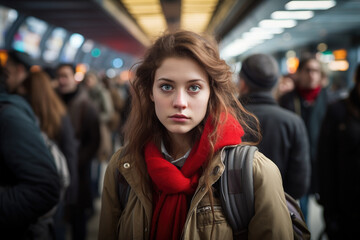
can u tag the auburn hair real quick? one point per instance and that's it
(45, 102)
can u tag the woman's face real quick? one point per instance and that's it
(180, 93)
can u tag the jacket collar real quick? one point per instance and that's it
(258, 98)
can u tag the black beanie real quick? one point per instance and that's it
(21, 58)
(260, 71)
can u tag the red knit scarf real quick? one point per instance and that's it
(174, 187)
(309, 95)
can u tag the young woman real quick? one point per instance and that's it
(184, 113)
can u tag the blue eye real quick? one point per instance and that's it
(166, 87)
(194, 88)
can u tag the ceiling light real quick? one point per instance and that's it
(148, 14)
(267, 30)
(277, 23)
(310, 5)
(297, 15)
(257, 35)
(196, 14)
(238, 47)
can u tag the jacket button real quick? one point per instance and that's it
(216, 170)
(126, 165)
(145, 229)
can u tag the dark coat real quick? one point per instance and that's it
(69, 145)
(284, 141)
(85, 120)
(30, 186)
(339, 165)
(313, 116)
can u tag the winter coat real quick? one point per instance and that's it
(313, 116)
(271, 219)
(29, 183)
(284, 141)
(85, 121)
(68, 145)
(339, 164)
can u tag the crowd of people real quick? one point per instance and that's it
(82, 119)
(183, 110)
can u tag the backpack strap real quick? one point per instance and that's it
(237, 188)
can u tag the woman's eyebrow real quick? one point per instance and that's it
(192, 80)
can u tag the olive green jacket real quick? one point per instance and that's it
(271, 219)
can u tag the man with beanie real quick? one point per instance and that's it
(284, 137)
(339, 161)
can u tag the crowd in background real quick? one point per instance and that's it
(84, 119)
(312, 136)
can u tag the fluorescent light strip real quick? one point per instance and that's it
(268, 23)
(297, 15)
(267, 30)
(309, 5)
(257, 35)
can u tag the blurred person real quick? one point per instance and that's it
(309, 101)
(119, 104)
(18, 68)
(339, 158)
(29, 182)
(181, 120)
(85, 120)
(285, 85)
(284, 137)
(101, 98)
(124, 89)
(55, 123)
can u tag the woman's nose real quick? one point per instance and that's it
(180, 99)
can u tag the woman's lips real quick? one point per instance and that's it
(179, 118)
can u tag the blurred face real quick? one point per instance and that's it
(181, 94)
(309, 77)
(66, 79)
(16, 75)
(90, 80)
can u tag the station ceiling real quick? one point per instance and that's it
(109, 22)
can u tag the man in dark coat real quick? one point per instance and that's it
(284, 137)
(339, 166)
(29, 183)
(309, 101)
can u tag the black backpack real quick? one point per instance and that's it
(237, 195)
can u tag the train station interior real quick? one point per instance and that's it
(110, 36)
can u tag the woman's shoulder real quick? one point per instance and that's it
(264, 169)
(117, 157)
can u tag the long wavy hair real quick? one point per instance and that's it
(44, 101)
(143, 125)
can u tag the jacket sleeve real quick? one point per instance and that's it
(110, 204)
(298, 174)
(33, 185)
(272, 218)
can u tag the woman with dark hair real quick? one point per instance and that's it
(184, 112)
(55, 123)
